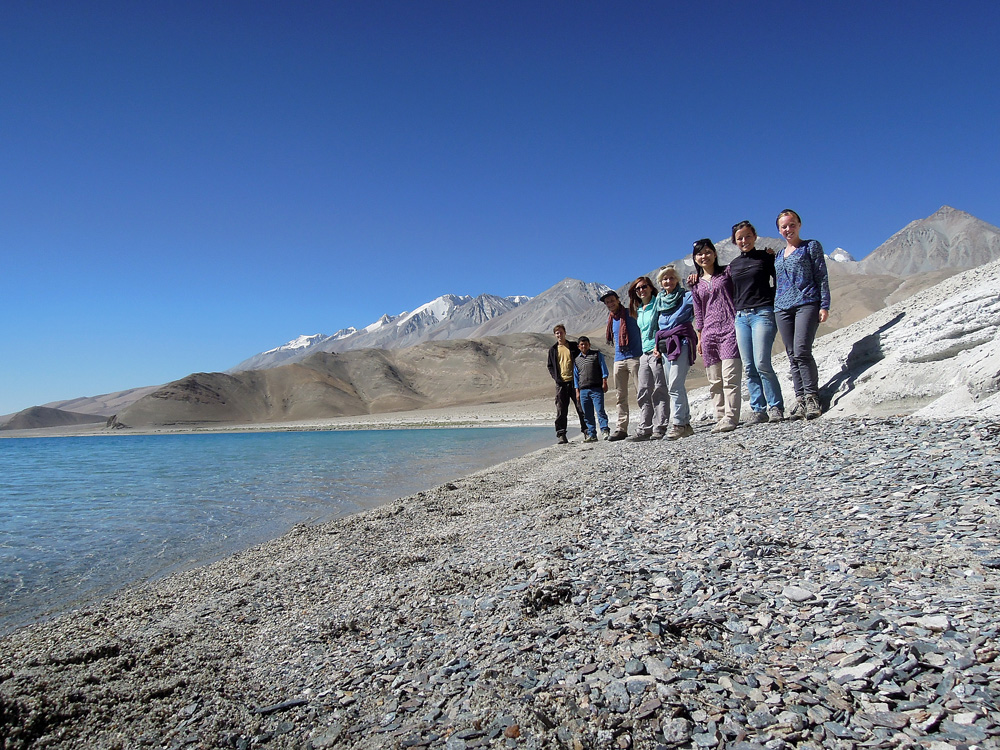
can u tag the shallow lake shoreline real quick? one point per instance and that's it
(508, 414)
(839, 585)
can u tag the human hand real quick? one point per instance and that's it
(823, 315)
(692, 277)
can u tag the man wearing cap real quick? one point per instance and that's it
(623, 332)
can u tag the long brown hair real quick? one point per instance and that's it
(634, 300)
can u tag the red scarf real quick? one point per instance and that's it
(622, 316)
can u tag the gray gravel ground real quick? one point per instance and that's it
(824, 584)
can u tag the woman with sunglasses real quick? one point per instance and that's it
(714, 319)
(652, 383)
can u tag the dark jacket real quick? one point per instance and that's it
(589, 370)
(574, 349)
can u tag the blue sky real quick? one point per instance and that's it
(185, 184)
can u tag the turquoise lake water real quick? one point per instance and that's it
(81, 517)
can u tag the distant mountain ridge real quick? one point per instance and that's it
(948, 238)
(363, 381)
(941, 244)
(35, 417)
(450, 316)
(946, 242)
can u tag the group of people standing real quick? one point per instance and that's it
(729, 317)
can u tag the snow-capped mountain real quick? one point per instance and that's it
(947, 240)
(450, 316)
(291, 351)
(574, 303)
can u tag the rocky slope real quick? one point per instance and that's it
(948, 238)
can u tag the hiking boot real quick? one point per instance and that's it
(775, 414)
(724, 426)
(619, 435)
(680, 431)
(606, 434)
(590, 439)
(657, 436)
(639, 438)
(799, 410)
(813, 409)
(562, 440)
(759, 417)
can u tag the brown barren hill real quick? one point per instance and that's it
(367, 381)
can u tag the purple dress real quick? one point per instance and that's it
(715, 317)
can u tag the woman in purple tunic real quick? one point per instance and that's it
(714, 319)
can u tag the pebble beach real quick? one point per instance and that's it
(830, 584)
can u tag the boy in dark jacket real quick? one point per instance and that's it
(590, 376)
(560, 364)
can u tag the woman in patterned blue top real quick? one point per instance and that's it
(801, 303)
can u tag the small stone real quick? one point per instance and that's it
(616, 696)
(797, 594)
(676, 731)
(857, 672)
(634, 667)
(934, 623)
(760, 719)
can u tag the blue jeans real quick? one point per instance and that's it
(755, 332)
(591, 400)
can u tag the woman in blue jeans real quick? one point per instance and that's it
(801, 303)
(753, 278)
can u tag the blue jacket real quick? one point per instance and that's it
(634, 350)
(683, 314)
(801, 278)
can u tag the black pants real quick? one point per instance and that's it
(565, 392)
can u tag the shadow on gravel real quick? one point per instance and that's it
(865, 353)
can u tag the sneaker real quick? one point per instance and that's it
(759, 417)
(813, 409)
(657, 436)
(680, 431)
(619, 435)
(562, 440)
(606, 434)
(639, 438)
(590, 439)
(799, 410)
(775, 414)
(724, 426)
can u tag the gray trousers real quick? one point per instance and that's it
(798, 331)
(654, 403)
